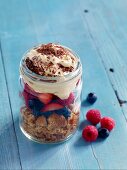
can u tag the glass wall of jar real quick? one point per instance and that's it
(51, 105)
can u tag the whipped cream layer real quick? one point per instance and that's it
(52, 61)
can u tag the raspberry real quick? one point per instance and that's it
(93, 116)
(108, 123)
(90, 133)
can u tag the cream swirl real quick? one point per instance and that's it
(54, 62)
(51, 60)
(62, 90)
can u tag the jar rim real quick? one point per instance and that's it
(58, 79)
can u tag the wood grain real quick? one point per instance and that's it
(9, 154)
(107, 26)
(98, 19)
(90, 34)
(34, 156)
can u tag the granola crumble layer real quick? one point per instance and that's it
(53, 129)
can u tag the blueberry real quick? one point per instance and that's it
(38, 104)
(103, 133)
(35, 105)
(91, 98)
(31, 104)
(36, 113)
(46, 114)
(64, 111)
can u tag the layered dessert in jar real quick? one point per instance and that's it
(50, 76)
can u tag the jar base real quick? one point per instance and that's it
(46, 142)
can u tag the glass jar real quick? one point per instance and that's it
(51, 105)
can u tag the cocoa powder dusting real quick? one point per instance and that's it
(49, 49)
(38, 66)
(33, 68)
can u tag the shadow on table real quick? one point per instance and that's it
(8, 146)
(35, 152)
(82, 125)
(85, 103)
(81, 143)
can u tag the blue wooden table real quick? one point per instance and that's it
(97, 31)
